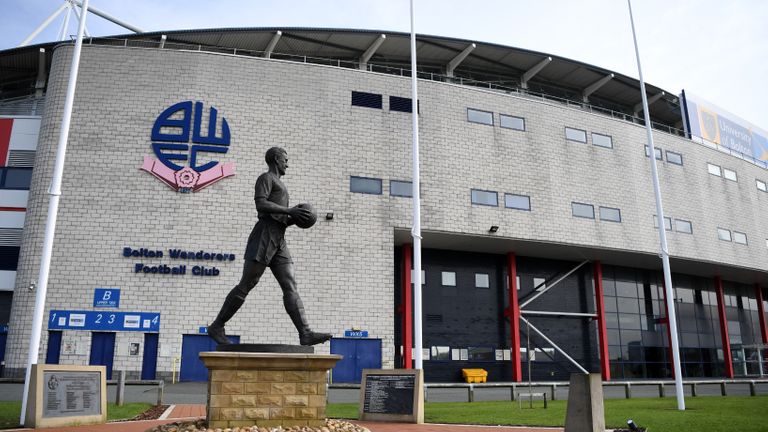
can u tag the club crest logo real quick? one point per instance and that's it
(184, 155)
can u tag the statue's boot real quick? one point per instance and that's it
(306, 335)
(216, 330)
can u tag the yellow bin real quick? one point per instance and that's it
(474, 375)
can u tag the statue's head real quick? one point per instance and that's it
(278, 157)
(272, 153)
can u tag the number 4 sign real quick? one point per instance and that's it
(106, 297)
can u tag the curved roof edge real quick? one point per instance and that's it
(484, 62)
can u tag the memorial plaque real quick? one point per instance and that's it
(389, 394)
(71, 393)
(392, 395)
(66, 395)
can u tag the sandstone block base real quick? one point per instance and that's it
(266, 389)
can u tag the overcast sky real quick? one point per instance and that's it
(717, 50)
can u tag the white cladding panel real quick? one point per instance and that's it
(14, 198)
(7, 280)
(24, 133)
(12, 219)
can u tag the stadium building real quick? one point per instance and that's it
(540, 246)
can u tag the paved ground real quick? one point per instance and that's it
(193, 411)
(179, 412)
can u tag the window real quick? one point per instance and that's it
(520, 202)
(482, 280)
(400, 188)
(423, 277)
(667, 222)
(440, 353)
(583, 210)
(674, 158)
(610, 214)
(489, 198)
(729, 174)
(481, 354)
(761, 185)
(365, 185)
(683, 226)
(448, 278)
(601, 140)
(714, 170)
(511, 122)
(739, 237)
(477, 116)
(723, 234)
(400, 104)
(656, 150)
(575, 135)
(15, 178)
(368, 100)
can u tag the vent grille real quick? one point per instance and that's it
(368, 100)
(434, 318)
(21, 158)
(26, 106)
(397, 103)
(10, 237)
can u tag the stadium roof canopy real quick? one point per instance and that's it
(440, 58)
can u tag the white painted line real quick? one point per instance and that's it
(167, 412)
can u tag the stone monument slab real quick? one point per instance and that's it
(66, 395)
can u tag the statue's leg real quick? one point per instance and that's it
(294, 306)
(252, 271)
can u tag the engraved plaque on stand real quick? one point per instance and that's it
(63, 395)
(392, 395)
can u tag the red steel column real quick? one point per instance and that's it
(602, 333)
(407, 302)
(6, 125)
(724, 327)
(665, 321)
(761, 312)
(513, 312)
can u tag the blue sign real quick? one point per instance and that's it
(356, 333)
(104, 321)
(4, 328)
(106, 297)
(203, 330)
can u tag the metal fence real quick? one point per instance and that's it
(386, 69)
(756, 387)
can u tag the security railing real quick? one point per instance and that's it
(756, 387)
(391, 70)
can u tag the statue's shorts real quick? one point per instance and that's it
(267, 245)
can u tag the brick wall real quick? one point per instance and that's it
(344, 267)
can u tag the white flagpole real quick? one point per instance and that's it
(662, 233)
(53, 209)
(416, 229)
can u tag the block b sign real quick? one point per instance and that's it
(106, 298)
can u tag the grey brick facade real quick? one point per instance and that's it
(345, 266)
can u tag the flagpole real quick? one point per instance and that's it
(416, 229)
(671, 317)
(53, 208)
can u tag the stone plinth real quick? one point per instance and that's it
(266, 389)
(585, 411)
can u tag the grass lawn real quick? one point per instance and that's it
(9, 412)
(711, 414)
